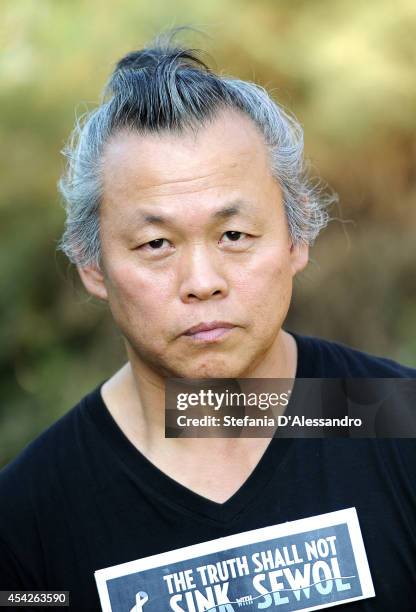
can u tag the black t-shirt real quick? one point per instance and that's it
(81, 497)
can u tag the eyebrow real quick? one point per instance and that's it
(223, 213)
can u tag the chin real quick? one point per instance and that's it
(210, 369)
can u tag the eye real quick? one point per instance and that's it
(156, 244)
(155, 247)
(233, 236)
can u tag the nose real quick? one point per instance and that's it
(202, 277)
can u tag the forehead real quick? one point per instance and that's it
(225, 158)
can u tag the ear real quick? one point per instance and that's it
(299, 255)
(93, 280)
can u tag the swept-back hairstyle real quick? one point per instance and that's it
(165, 87)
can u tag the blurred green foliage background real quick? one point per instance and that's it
(347, 71)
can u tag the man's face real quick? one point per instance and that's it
(194, 232)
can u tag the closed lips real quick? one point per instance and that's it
(201, 327)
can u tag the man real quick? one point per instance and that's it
(189, 213)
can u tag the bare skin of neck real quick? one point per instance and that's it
(214, 468)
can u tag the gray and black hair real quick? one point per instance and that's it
(165, 87)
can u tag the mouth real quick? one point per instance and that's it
(209, 332)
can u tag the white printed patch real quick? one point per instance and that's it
(309, 564)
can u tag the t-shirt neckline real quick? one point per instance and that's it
(170, 492)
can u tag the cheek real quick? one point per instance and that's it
(137, 296)
(265, 280)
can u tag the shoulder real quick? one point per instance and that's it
(324, 358)
(41, 464)
(34, 492)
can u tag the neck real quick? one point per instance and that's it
(135, 396)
